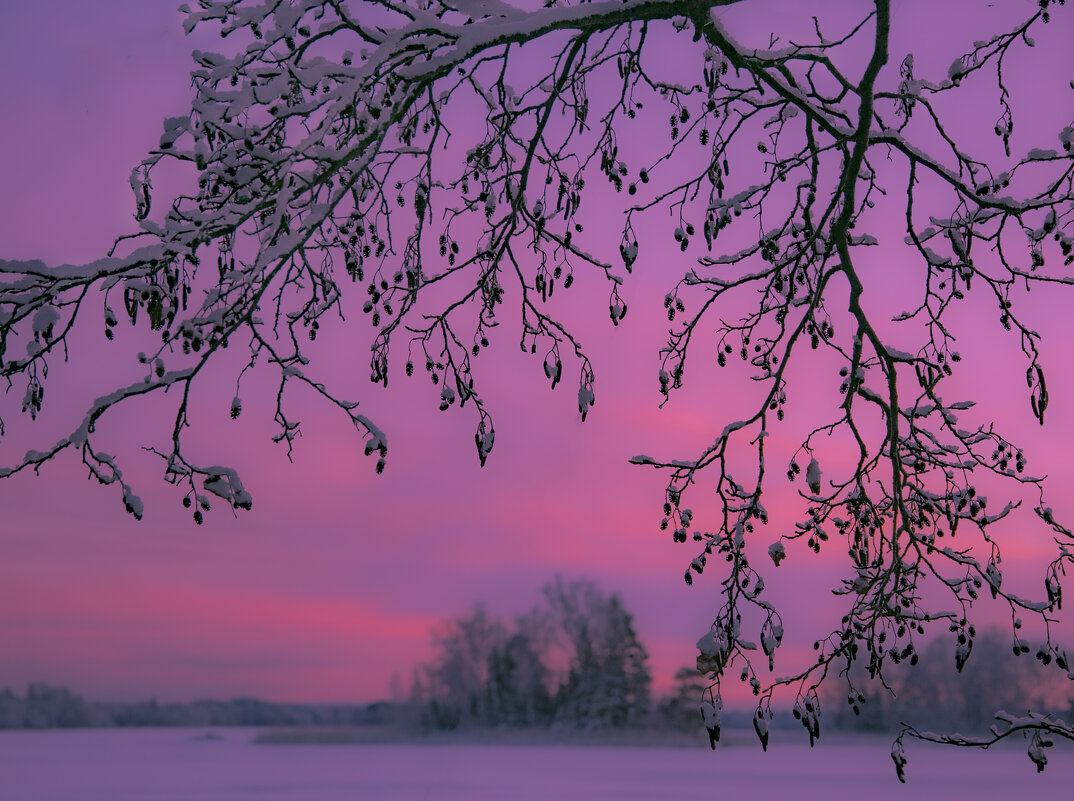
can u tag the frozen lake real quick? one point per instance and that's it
(173, 765)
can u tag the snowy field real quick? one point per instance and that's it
(174, 765)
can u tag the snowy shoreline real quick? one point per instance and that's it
(547, 737)
(396, 735)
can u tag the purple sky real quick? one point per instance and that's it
(332, 583)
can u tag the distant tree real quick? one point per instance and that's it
(458, 678)
(608, 682)
(47, 707)
(12, 710)
(486, 672)
(518, 684)
(679, 708)
(459, 160)
(520, 675)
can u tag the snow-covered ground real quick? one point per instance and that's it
(182, 765)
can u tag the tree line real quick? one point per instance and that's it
(575, 658)
(45, 706)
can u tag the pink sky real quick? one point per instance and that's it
(332, 583)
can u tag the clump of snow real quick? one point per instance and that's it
(1041, 154)
(45, 318)
(777, 552)
(812, 476)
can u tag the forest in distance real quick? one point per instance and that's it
(574, 663)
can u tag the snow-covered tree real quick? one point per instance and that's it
(459, 678)
(518, 683)
(450, 166)
(608, 681)
(574, 660)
